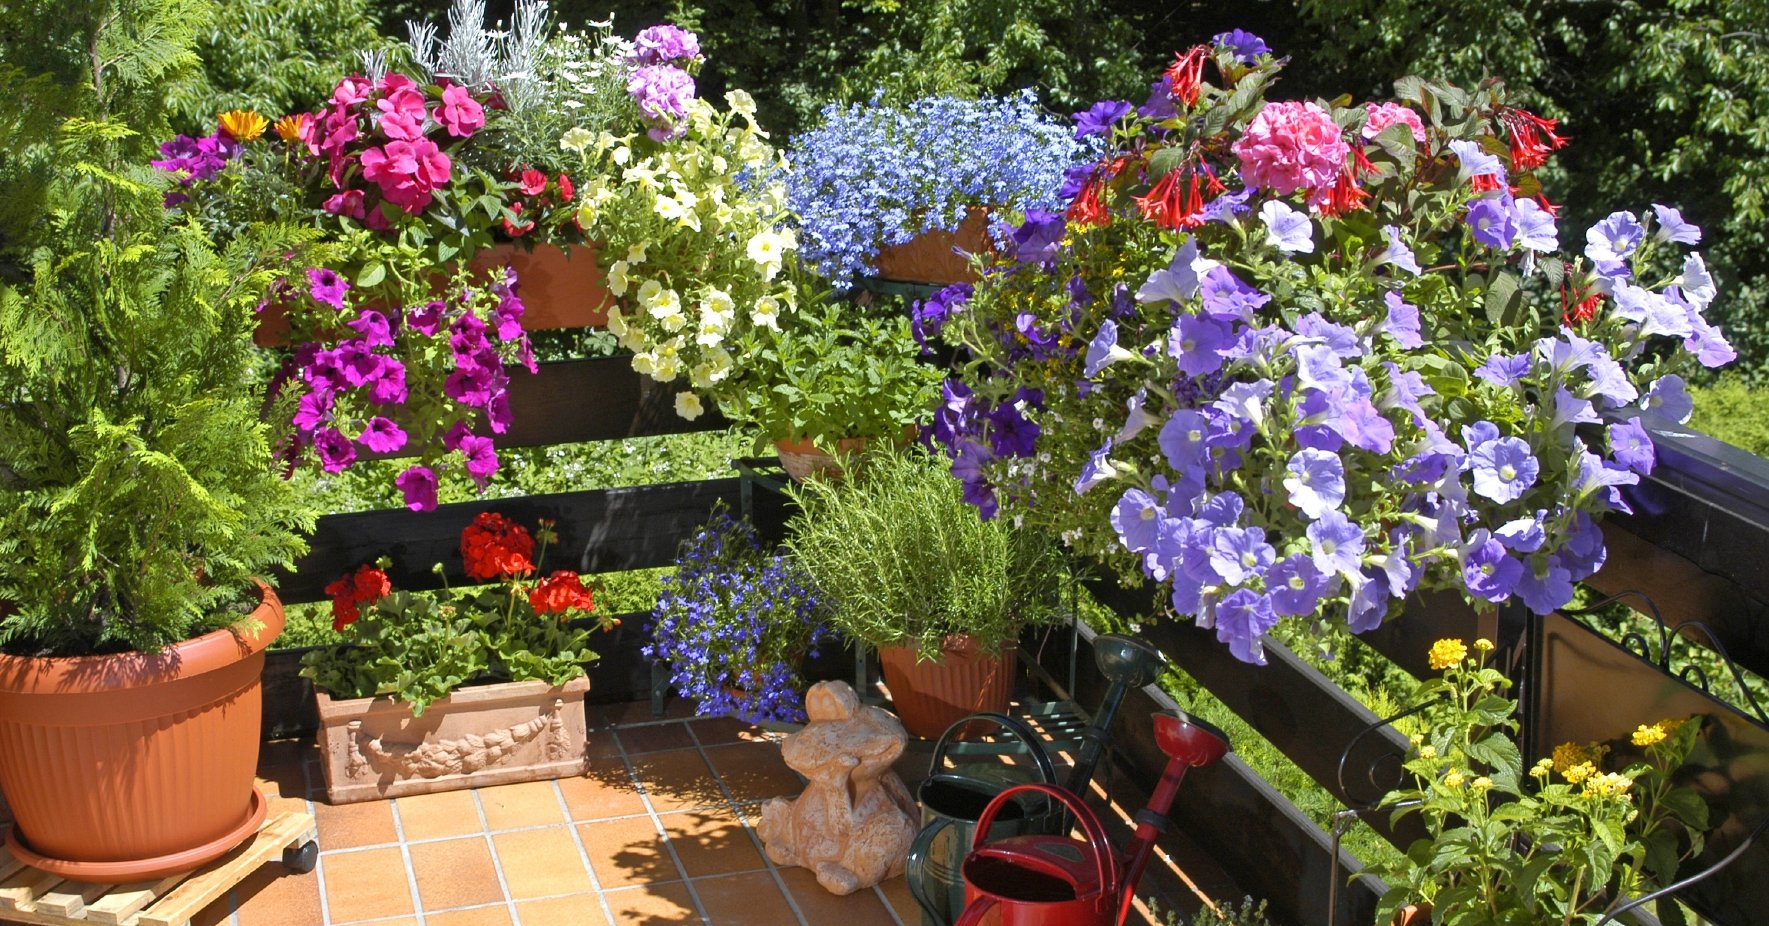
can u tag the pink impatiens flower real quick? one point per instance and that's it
(460, 114)
(1383, 115)
(402, 113)
(348, 203)
(1291, 146)
(407, 172)
(351, 91)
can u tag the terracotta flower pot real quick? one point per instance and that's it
(801, 458)
(476, 737)
(930, 696)
(1413, 914)
(560, 289)
(930, 258)
(136, 765)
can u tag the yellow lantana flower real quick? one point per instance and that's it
(1447, 653)
(1648, 736)
(1577, 773)
(1454, 779)
(243, 124)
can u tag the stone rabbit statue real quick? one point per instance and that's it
(854, 822)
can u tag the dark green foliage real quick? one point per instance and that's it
(137, 496)
(273, 56)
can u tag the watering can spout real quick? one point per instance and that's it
(1189, 743)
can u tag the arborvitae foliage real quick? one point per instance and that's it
(137, 492)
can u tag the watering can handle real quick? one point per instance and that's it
(1020, 731)
(918, 852)
(973, 914)
(1104, 865)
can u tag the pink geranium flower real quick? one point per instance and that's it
(1383, 115)
(1291, 146)
(459, 113)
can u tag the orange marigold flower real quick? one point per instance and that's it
(561, 592)
(289, 128)
(243, 124)
(494, 546)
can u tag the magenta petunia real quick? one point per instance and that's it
(335, 450)
(389, 387)
(418, 484)
(324, 285)
(426, 319)
(381, 435)
(481, 456)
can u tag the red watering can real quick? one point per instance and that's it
(1043, 880)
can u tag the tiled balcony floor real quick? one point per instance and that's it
(660, 831)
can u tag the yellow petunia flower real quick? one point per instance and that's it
(243, 124)
(1447, 653)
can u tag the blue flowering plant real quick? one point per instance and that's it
(875, 174)
(1299, 359)
(734, 622)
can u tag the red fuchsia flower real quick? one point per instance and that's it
(1088, 209)
(459, 113)
(408, 172)
(559, 593)
(1532, 138)
(494, 546)
(1347, 193)
(1578, 305)
(1383, 115)
(1185, 76)
(366, 585)
(1291, 146)
(1175, 201)
(532, 182)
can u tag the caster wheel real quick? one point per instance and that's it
(303, 858)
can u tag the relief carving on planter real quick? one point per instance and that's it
(465, 755)
(854, 822)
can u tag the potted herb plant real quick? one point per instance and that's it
(496, 673)
(1562, 841)
(827, 382)
(138, 496)
(909, 570)
(735, 623)
(1294, 359)
(889, 190)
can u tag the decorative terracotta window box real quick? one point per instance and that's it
(476, 737)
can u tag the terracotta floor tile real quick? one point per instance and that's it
(711, 842)
(751, 899)
(655, 905)
(861, 908)
(625, 852)
(531, 803)
(455, 873)
(477, 916)
(445, 813)
(607, 791)
(601, 744)
(634, 712)
(541, 863)
(273, 896)
(365, 885)
(655, 738)
(722, 731)
(346, 826)
(754, 771)
(678, 780)
(576, 910)
(896, 892)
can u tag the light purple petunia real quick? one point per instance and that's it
(1182, 440)
(1673, 227)
(1488, 570)
(1242, 620)
(1503, 468)
(1523, 535)
(1099, 118)
(1104, 350)
(1136, 518)
(1369, 603)
(1631, 446)
(1475, 162)
(1316, 482)
(1337, 544)
(1614, 238)
(1402, 323)
(1296, 587)
(1097, 469)
(1180, 279)
(1569, 409)
(1197, 342)
(1138, 417)
(662, 44)
(1397, 252)
(1501, 370)
(1536, 229)
(1668, 397)
(1228, 298)
(1546, 593)
(1290, 231)
(1491, 222)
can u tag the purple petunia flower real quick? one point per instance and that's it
(1242, 620)
(1103, 350)
(336, 452)
(389, 387)
(1223, 209)
(1136, 518)
(1536, 229)
(324, 285)
(381, 435)
(470, 386)
(1403, 321)
(1316, 482)
(1227, 298)
(1097, 469)
(1668, 397)
(1038, 238)
(1240, 553)
(1397, 252)
(1570, 409)
(1138, 419)
(1501, 370)
(373, 327)
(1290, 231)
(1296, 587)
(1159, 105)
(1337, 544)
(1503, 468)
(1475, 162)
(1180, 279)
(1488, 570)
(664, 93)
(427, 318)
(481, 456)
(1546, 593)
(1011, 433)
(1099, 118)
(1182, 439)
(1492, 223)
(1614, 239)
(662, 44)
(1673, 227)
(418, 484)
(1369, 602)
(1246, 46)
(1197, 342)
(1523, 535)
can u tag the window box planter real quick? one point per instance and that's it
(476, 737)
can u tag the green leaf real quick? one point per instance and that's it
(371, 275)
(1410, 89)
(1165, 161)
(1504, 296)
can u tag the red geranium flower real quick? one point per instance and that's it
(560, 592)
(494, 547)
(366, 585)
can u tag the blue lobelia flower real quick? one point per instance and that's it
(1503, 468)
(1316, 482)
(1242, 620)
(1290, 231)
(1614, 238)
(1337, 545)
(1673, 227)
(1296, 586)
(1488, 570)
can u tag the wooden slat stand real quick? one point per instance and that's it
(31, 896)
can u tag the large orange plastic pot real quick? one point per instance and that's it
(930, 696)
(136, 765)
